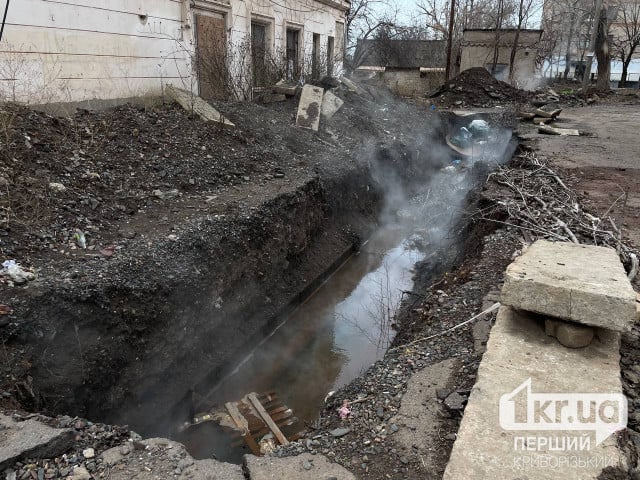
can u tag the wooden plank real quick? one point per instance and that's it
(241, 423)
(267, 419)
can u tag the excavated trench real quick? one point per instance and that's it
(285, 297)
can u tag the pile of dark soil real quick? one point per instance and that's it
(476, 87)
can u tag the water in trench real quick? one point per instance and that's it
(346, 325)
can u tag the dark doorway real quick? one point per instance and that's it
(330, 54)
(316, 69)
(259, 53)
(211, 56)
(293, 44)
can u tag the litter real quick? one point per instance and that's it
(17, 274)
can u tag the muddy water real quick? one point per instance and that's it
(337, 333)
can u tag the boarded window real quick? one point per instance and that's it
(211, 56)
(339, 47)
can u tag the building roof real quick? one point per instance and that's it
(401, 53)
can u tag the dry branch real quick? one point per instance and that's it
(541, 203)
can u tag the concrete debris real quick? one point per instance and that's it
(285, 88)
(339, 432)
(193, 103)
(331, 103)
(569, 334)
(455, 402)
(554, 279)
(309, 107)
(88, 453)
(349, 84)
(30, 439)
(301, 467)
(520, 362)
(571, 132)
(80, 473)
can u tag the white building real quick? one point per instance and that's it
(75, 50)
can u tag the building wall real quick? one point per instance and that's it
(411, 82)
(73, 50)
(477, 50)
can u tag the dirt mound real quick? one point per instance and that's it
(478, 88)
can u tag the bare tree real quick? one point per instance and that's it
(524, 11)
(626, 35)
(363, 20)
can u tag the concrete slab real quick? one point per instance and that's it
(330, 104)
(195, 104)
(582, 283)
(30, 439)
(420, 414)
(309, 107)
(301, 467)
(519, 350)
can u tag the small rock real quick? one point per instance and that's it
(455, 401)
(80, 473)
(404, 460)
(339, 432)
(442, 393)
(57, 187)
(88, 453)
(307, 465)
(569, 334)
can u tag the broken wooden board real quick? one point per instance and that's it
(309, 107)
(543, 113)
(539, 120)
(193, 103)
(267, 419)
(571, 132)
(526, 115)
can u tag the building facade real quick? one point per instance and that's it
(479, 47)
(76, 50)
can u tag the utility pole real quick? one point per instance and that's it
(452, 18)
(4, 19)
(592, 44)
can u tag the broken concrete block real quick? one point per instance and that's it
(581, 283)
(569, 334)
(301, 467)
(571, 132)
(522, 364)
(285, 88)
(269, 97)
(330, 105)
(349, 84)
(193, 103)
(30, 439)
(309, 107)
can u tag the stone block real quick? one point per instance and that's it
(581, 283)
(30, 439)
(569, 334)
(301, 467)
(309, 107)
(193, 103)
(285, 89)
(330, 105)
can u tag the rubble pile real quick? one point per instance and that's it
(476, 87)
